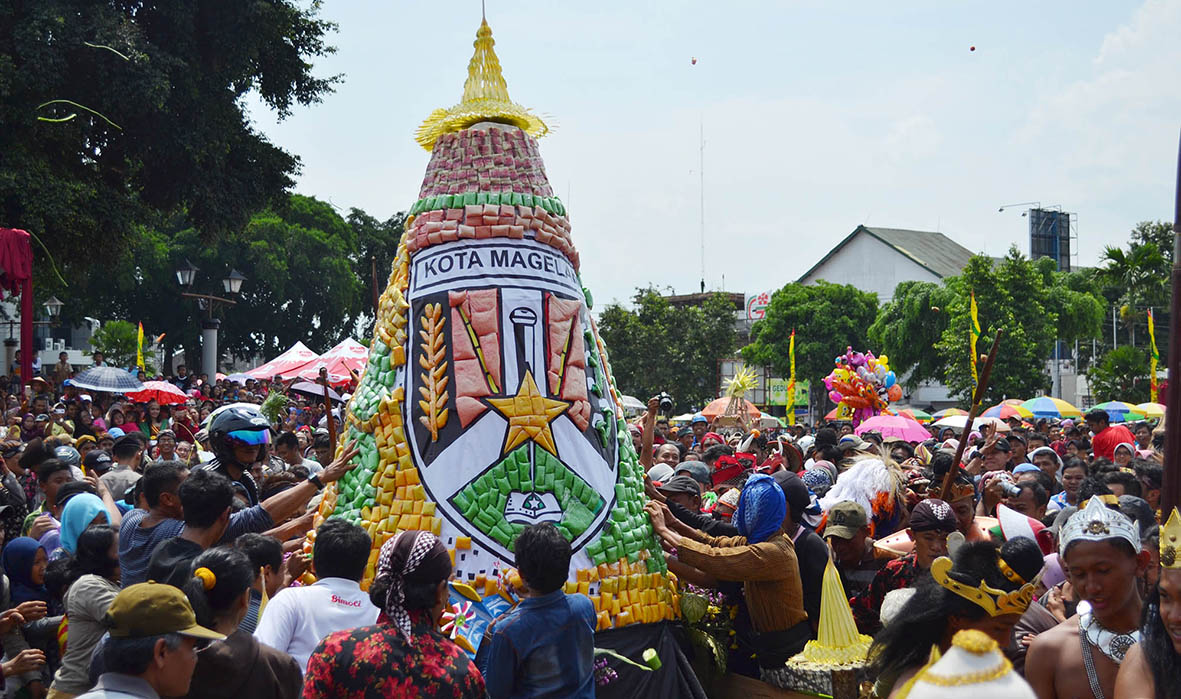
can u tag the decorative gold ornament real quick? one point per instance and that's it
(1170, 541)
(995, 602)
(529, 416)
(1010, 574)
(485, 98)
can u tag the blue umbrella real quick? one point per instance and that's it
(109, 379)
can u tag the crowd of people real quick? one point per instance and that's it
(157, 550)
(136, 535)
(1046, 536)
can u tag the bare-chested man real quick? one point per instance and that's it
(1100, 550)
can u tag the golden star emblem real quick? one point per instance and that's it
(529, 416)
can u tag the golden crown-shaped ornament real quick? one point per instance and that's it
(1170, 541)
(995, 602)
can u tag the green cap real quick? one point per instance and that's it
(154, 609)
(845, 519)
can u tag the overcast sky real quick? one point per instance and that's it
(818, 117)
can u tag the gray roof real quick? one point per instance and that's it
(933, 251)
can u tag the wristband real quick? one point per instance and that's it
(314, 479)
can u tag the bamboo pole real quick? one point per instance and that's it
(1171, 486)
(977, 397)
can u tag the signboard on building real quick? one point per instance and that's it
(777, 392)
(756, 305)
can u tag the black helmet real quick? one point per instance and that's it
(237, 423)
(68, 454)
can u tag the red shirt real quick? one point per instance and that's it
(1104, 443)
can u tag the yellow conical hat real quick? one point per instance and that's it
(837, 642)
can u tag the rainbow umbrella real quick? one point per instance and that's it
(948, 412)
(1119, 411)
(1045, 406)
(1005, 411)
(917, 415)
(1151, 410)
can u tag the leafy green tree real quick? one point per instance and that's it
(304, 265)
(1122, 374)
(118, 341)
(657, 347)
(375, 241)
(112, 113)
(908, 327)
(827, 318)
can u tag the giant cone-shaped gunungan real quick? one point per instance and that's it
(487, 403)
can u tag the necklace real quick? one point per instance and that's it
(1114, 645)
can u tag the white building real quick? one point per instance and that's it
(878, 259)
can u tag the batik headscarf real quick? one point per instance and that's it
(761, 509)
(411, 556)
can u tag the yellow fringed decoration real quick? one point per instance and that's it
(837, 642)
(485, 98)
(744, 380)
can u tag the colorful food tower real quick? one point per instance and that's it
(487, 403)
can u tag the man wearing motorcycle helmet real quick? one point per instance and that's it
(238, 438)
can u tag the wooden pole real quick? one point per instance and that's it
(1170, 495)
(376, 303)
(977, 397)
(331, 420)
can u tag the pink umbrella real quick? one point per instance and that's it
(340, 361)
(285, 364)
(162, 392)
(894, 426)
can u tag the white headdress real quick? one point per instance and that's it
(1096, 522)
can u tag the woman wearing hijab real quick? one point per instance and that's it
(24, 563)
(82, 511)
(763, 559)
(403, 654)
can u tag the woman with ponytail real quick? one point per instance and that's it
(239, 666)
(403, 654)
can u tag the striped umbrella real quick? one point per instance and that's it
(109, 379)
(1045, 406)
(1119, 411)
(917, 415)
(947, 412)
(1152, 410)
(1007, 410)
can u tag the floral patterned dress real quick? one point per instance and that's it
(376, 662)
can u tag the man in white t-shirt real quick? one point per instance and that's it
(298, 618)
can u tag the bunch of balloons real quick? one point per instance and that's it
(862, 385)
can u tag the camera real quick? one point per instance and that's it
(1011, 489)
(666, 403)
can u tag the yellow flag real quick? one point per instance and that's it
(791, 382)
(1154, 357)
(974, 334)
(139, 347)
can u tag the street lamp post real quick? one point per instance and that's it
(186, 274)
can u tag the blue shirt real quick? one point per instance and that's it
(137, 543)
(543, 648)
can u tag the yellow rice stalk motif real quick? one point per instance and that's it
(434, 376)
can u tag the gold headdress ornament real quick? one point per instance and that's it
(1170, 541)
(485, 98)
(1096, 522)
(995, 602)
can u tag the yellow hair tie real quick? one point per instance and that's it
(208, 579)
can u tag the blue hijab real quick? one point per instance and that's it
(77, 515)
(761, 509)
(18, 558)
